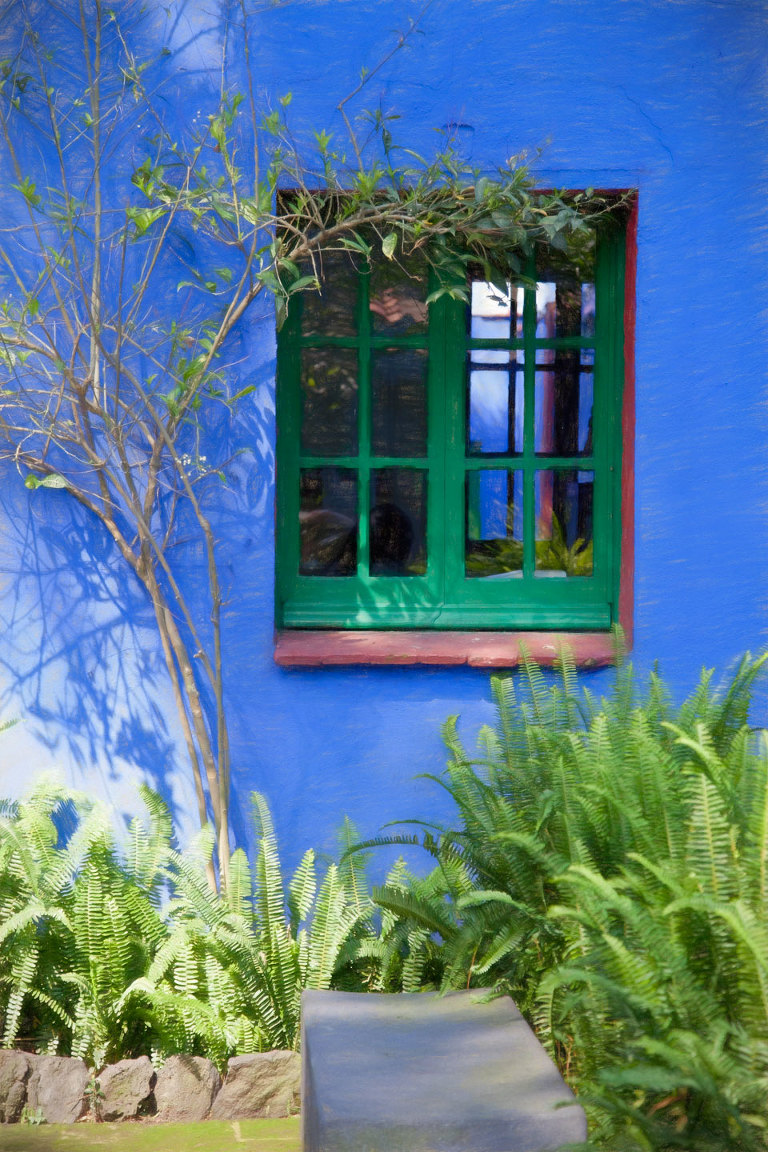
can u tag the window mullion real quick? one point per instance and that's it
(364, 424)
(529, 430)
(452, 342)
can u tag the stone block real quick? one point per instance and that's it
(15, 1068)
(124, 1089)
(57, 1087)
(422, 1073)
(186, 1088)
(259, 1085)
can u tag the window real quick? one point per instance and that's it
(455, 466)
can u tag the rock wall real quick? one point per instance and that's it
(62, 1089)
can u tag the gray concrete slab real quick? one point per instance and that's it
(423, 1073)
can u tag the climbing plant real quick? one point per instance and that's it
(133, 250)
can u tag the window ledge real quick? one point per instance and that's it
(477, 649)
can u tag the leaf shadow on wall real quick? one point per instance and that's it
(80, 664)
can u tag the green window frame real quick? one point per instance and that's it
(442, 594)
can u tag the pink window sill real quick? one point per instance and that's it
(477, 649)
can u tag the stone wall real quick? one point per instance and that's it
(62, 1089)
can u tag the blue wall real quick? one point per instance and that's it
(667, 96)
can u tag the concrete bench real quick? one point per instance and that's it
(423, 1073)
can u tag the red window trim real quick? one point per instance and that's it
(477, 649)
(627, 572)
(294, 648)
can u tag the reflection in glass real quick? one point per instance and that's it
(565, 293)
(398, 297)
(494, 523)
(328, 522)
(564, 522)
(399, 402)
(563, 403)
(495, 313)
(397, 528)
(331, 312)
(329, 402)
(587, 310)
(495, 408)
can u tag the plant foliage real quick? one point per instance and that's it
(133, 250)
(609, 870)
(108, 952)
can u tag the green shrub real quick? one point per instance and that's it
(108, 953)
(609, 870)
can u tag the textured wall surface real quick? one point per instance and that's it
(668, 96)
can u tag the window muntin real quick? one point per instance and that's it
(483, 452)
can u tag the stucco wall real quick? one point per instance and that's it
(668, 96)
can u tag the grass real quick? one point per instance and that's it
(209, 1136)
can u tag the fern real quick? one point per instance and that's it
(608, 867)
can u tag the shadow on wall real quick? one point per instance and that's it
(79, 663)
(80, 660)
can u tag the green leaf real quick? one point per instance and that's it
(388, 245)
(144, 218)
(54, 480)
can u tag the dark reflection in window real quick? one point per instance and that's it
(329, 402)
(332, 311)
(495, 400)
(328, 522)
(564, 522)
(397, 527)
(398, 296)
(494, 523)
(399, 405)
(563, 403)
(565, 292)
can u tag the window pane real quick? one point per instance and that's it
(331, 312)
(328, 522)
(329, 402)
(398, 522)
(494, 313)
(564, 522)
(565, 292)
(494, 523)
(398, 296)
(495, 408)
(399, 404)
(563, 411)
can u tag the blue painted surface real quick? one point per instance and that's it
(667, 96)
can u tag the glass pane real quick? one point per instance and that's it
(494, 524)
(329, 402)
(398, 295)
(564, 522)
(399, 402)
(495, 408)
(331, 312)
(563, 408)
(565, 292)
(328, 522)
(398, 522)
(495, 313)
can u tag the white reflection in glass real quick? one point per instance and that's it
(546, 310)
(491, 308)
(587, 309)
